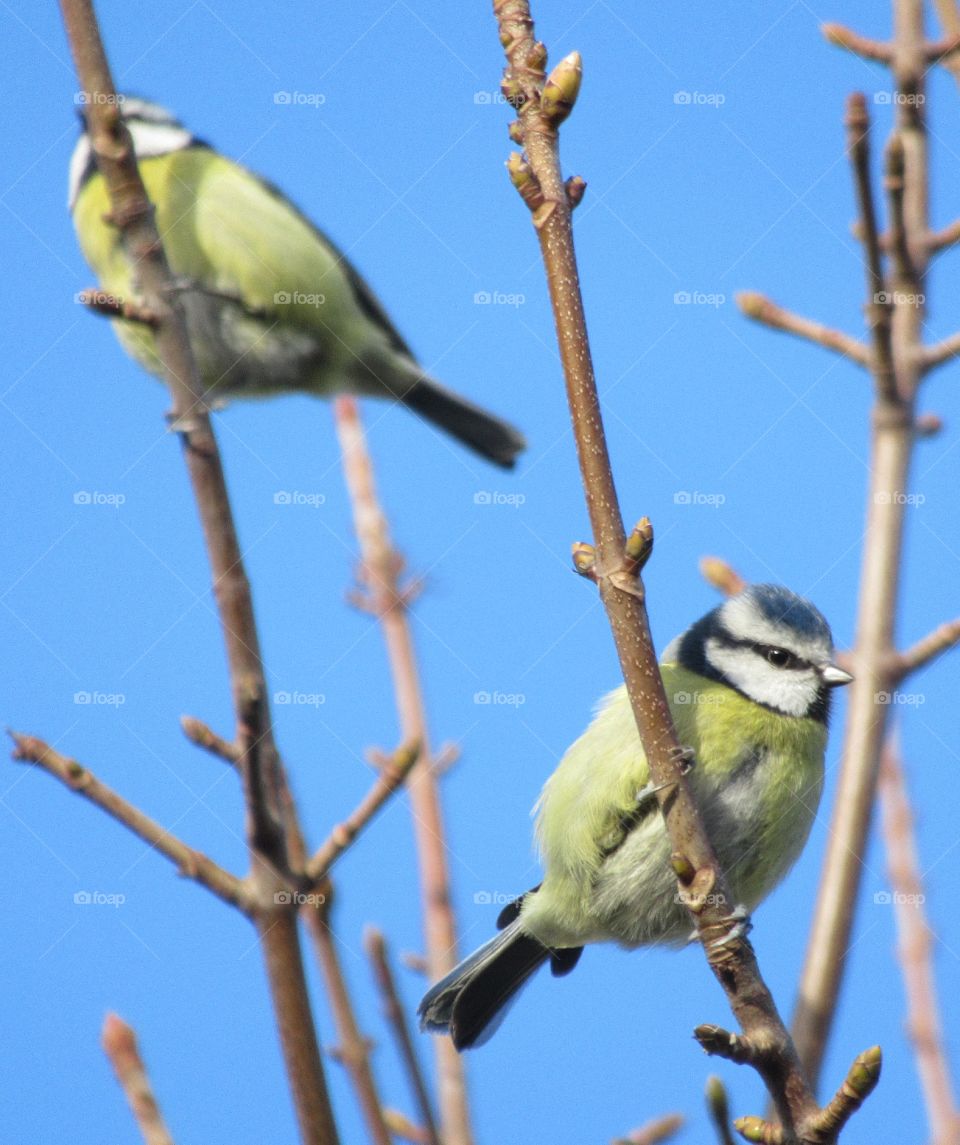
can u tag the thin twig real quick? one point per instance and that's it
(940, 353)
(379, 577)
(879, 307)
(353, 1049)
(376, 948)
(654, 1132)
(927, 649)
(768, 313)
(190, 863)
(949, 236)
(197, 732)
(846, 38)
(950, 21)
(923, 1010)
(615, 565)
(120, 1045)
(392, 775)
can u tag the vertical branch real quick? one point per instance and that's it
(542, 102)
(923, 1020)
(873, 653)
(380, 578)
(264, 783)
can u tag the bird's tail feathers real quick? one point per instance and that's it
(473, 999)
(490, 436)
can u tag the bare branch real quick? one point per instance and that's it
(768, 313)
(941, 240)
(538, 178)
(391, 777)
(197, 732)
(926, 650)
(950, 20)
(940, 353)
(654, 1132)
(376, 948)
(190, 863)
(874, 653)
(353, 1049)
(120, 1045)
(877, 50)
(923, 1010)
(266, 792)
(879, 307)
(379, 577)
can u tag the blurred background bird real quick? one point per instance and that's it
(749, 688)
(272, 306)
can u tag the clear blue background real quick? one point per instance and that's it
(402, 162)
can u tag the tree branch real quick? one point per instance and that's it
(393, 772)
(842, 37)
(874, 652)
(376, 948)
(932, 645)
(923, 1010)
(379, 578)
(879, 306)
(654, 1132)
(353, 1049)
(120, 1045)
(940, 353)
(542, 103)
(190, 863)
(264, 782)
(768, 313)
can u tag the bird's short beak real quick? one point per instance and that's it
(833, 675)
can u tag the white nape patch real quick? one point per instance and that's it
(671, 654)
(744, 621)
(792, 691)
(160, 137)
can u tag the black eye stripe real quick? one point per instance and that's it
(795, 663)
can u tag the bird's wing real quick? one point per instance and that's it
(262, 244)
(590, 802)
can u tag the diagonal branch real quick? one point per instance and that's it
(940, 353)
(542, 103)
(393, 772)
(376, 948)
(120, 1045)
(190, 863)
(879, 51)
(926, 650)
(265, 788)
(768, 313)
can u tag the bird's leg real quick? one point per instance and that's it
(684, 759)
(740, 918)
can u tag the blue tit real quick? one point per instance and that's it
(271, 305)
(749, 688)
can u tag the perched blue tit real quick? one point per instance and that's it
(271, 305)
(749, 689)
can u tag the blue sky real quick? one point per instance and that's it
(736, 441)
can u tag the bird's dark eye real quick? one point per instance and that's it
(778, 657)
